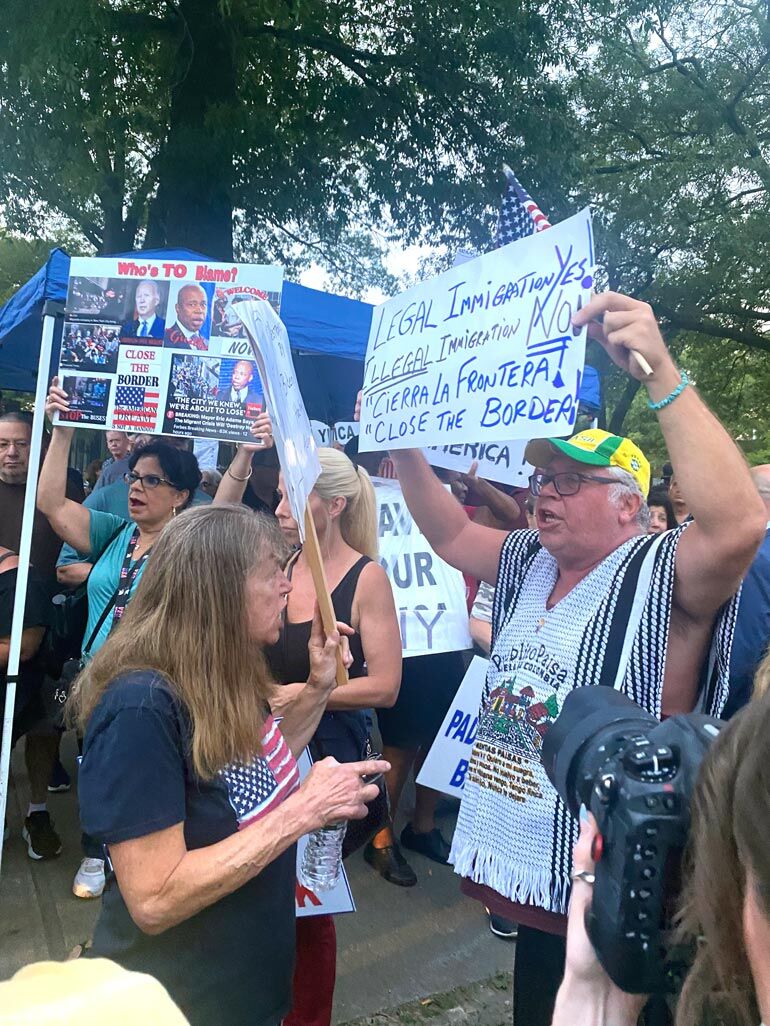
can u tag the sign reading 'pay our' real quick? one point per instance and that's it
(486, 351)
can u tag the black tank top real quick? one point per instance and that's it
(341, 734)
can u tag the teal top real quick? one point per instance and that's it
(113, 499)
(107, 556)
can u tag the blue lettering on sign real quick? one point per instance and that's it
(462, 728)
(458, 777)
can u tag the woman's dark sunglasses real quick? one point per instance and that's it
(146, 480)
(566, 483)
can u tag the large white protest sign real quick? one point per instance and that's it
(486, 350)
(447, 761)
(497, 461)
(291, 427)
(151, 346)
(429, 594)
(307, 902)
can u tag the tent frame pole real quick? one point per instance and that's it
(51, 313)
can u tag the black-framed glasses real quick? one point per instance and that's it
(566, 483)
(146, 480)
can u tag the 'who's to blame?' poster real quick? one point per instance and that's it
(156, 346)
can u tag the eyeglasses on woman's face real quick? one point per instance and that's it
(567, 482)
(147, 481)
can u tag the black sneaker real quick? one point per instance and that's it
(42, 840)
(502, 928)
(432, 845)
(60, 779)
(391, 865)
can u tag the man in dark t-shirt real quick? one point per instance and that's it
(15, 436)
(42, 745)
(29, 717)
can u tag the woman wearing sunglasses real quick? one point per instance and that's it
(162, 481)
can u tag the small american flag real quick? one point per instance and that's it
(519, 214)
(257, 787)
(135, 408)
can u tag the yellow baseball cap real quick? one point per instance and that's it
(597, 449)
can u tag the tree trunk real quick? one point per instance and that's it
(624, 405)
(116, 236)
(193, 207)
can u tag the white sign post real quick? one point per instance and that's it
(486, 350)
(429, 593)
(447, 761)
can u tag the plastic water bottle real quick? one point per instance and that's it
(322, 860)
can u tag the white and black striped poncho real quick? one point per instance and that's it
(514, 834)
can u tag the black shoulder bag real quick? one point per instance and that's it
(56, 692)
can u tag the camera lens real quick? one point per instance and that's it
(592, 724)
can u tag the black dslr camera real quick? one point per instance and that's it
(636, 776)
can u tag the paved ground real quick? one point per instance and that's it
(486, 1003)
(402, 945)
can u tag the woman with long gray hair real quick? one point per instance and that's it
(344, 511)
(189, 782)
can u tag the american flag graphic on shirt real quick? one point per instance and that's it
(258, 787)
(136, 408)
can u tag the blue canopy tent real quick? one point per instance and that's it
(328, 335)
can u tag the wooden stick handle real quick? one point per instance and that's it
(312, 552)
(641, 363)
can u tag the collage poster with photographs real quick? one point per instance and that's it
(156, 346)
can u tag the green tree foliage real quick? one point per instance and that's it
(676, 132)
(297, 124)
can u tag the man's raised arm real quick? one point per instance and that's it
(470, 547)
(730, 518)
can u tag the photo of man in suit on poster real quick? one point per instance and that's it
(146, 314)
(239, 383)
(190, 330)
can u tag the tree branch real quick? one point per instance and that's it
(684, 321)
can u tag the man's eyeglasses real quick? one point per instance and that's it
(146, 480)
(566, 483)
(5, 445)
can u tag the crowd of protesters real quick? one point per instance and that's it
(189, 792)
(90, 348)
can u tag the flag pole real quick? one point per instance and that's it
(52, 312)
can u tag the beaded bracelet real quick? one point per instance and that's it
(684, 381)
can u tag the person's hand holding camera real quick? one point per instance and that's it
(587, 995)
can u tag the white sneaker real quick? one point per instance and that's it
(89, 879)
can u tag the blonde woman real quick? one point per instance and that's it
(191, 784)
(344, 513)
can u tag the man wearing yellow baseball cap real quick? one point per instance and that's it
(587, 599)
(596, 448)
